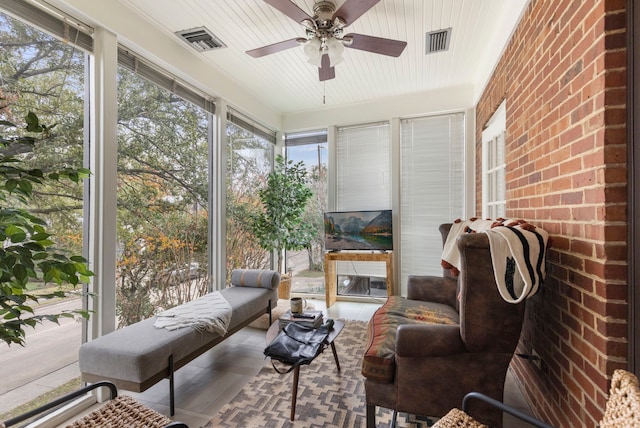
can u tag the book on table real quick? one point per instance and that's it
(308, 318)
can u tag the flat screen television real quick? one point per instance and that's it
(358, 230)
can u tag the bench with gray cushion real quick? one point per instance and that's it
(138, 356)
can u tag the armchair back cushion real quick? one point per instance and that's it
(487, 322)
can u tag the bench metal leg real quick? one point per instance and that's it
(172, 405)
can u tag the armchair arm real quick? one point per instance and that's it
(428, 340)
(433, 289)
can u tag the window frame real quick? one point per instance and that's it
(494, 203)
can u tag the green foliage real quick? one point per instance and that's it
(28, 253)
(41, 74)
(280, 226)
(314, 217)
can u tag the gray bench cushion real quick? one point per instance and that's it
(140, 351)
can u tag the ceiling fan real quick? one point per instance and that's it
(325, 39)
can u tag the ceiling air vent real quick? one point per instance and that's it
(437, 41)
(201, 39)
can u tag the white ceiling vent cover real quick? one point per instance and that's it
(201, 39)
(437, 41)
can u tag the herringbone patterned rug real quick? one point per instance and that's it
(326, 397)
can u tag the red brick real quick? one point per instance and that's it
(615, 233)
(615, 154)
(581, 247)
(615, 40)
(615, 194)
(611, 329)
(584, 179)
(612, 291)
(584, 213)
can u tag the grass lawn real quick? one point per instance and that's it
(70, 386)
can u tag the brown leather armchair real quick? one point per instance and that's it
(462, 340)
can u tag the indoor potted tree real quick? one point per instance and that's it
(279, 226)
(27, 252)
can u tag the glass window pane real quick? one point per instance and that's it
(249, 161)
(494, 167)
(40, 74)
(307, 265)
(163, 175)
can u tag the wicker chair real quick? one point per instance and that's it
(623, 405)
(119, 412)
(622, 410)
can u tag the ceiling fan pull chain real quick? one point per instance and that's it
(324, 91)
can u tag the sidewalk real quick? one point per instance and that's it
(32, 390)
(48, 360)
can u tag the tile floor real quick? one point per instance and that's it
(213, 379)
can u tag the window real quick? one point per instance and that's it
(493, 165)
(163, 179)
(431, 188)
(45, 73)
(308, 265)
(363, 180)
(250, 154)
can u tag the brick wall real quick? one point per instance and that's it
(563, 77)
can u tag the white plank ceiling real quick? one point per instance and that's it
(285, 81)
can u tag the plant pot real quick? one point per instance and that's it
(284, 289)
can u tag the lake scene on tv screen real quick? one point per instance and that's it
(358, 230)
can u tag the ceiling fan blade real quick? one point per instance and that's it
(377, 45)
(326, 72)
(290, 9)
(276, 47)
(354, 9)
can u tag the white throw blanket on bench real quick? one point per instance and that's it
(211, 312)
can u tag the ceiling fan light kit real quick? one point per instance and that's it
(325, 39)
(312, 49)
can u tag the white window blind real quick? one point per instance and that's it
(363, 169)
(52, 21)
(162, 78)
(432, 188)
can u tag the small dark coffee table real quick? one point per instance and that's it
(333, 333)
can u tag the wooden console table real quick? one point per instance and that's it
(330, 275)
